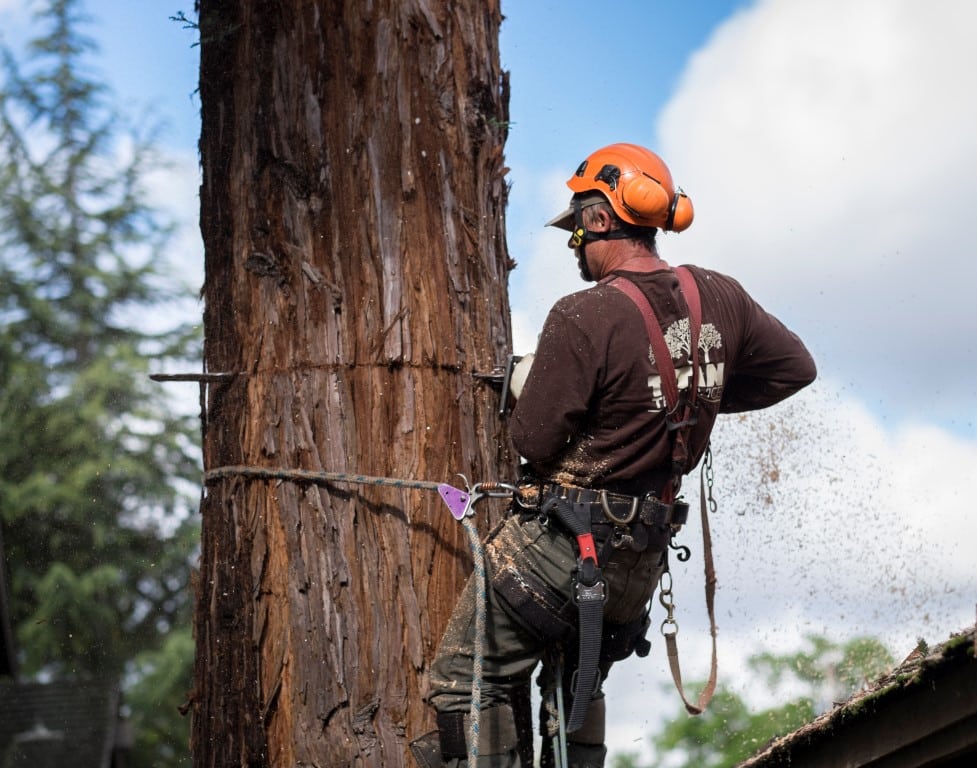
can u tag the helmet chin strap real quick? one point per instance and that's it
(581, 234)
(612, 234)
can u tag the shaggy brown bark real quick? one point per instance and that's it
(352, 209)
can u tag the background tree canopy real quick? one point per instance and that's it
(97, 466)
(809, 681)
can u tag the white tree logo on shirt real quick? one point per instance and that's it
(678, 339)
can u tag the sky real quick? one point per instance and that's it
(829, 149)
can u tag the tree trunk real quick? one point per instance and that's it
(352, 210)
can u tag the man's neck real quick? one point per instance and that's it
(634, 258)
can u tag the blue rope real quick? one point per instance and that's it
(474, 716)
(309, 476)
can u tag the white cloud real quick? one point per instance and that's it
(827, 148)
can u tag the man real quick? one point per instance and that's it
(606, 443)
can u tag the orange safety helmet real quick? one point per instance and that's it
(637, 184)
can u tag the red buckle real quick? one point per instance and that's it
(588, 550)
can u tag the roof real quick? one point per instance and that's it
(54, 725)
(922, 714)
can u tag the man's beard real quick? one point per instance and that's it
(582, 264)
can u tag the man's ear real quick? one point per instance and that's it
(602, 221)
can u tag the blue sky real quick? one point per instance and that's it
(829, 149)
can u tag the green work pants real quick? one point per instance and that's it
(511, 651)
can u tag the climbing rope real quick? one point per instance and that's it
(461, 504)
(308, 476)
(474, 714)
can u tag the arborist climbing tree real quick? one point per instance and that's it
(352, 211)
(614, 408)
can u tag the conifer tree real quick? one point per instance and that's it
(95, 462)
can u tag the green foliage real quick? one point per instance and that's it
(158, 689)
(830, 672)
(96, 465)
(730, 730)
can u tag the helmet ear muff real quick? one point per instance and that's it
(644, 197)
(680, 213)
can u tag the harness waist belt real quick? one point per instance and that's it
(621, 509)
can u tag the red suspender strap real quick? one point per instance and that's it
(663, 357)
(691, 293)
(666, 370)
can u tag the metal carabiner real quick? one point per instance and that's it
(492, 490)
(481, 491)
(665, 598)
(627, 519)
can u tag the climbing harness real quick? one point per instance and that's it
(600, 522)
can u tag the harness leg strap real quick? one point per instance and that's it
(589, 595)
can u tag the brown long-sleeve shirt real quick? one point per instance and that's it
(592, 412)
